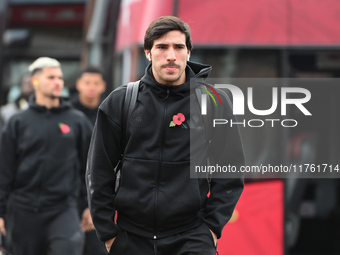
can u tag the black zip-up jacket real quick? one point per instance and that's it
(43, 157)
(90, 113)
(156, 197)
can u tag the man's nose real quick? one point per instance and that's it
(171, 55)
(59, 82)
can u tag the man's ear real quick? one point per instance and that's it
(188, 56)
(148, 54)
(103, 86)
(34, 82)
(78, 84)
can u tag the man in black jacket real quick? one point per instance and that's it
(42, 164)
(90, 85)
(161, 210)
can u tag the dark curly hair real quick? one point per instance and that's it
(163, 25)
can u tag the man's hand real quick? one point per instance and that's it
(2, 227)
(109, 243)
(86, 221)
(215, 237)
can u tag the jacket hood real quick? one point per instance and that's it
(192, 70)
(64, 105)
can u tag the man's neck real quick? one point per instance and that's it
(48, 102)
(89, 102)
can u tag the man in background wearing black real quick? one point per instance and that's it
(42, 166)
(90, 86)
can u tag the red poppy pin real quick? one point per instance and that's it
(177, 120)
(65, 129)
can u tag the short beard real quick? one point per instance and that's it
(175, 79)
(51, 96)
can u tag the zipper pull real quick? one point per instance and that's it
(167, 94)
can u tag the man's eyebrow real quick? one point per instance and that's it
(162, 44)
(165, 44)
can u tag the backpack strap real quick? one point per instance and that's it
(131, 96)
(130, 101)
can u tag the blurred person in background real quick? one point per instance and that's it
(42, 166)
(21, 103)
(90, 85)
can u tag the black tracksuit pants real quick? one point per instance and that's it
(197, 241)
(93, 246)
(45, 232)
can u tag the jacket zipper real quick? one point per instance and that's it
(160, 160)
(37, 206)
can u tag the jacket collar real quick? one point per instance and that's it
(64, 105)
